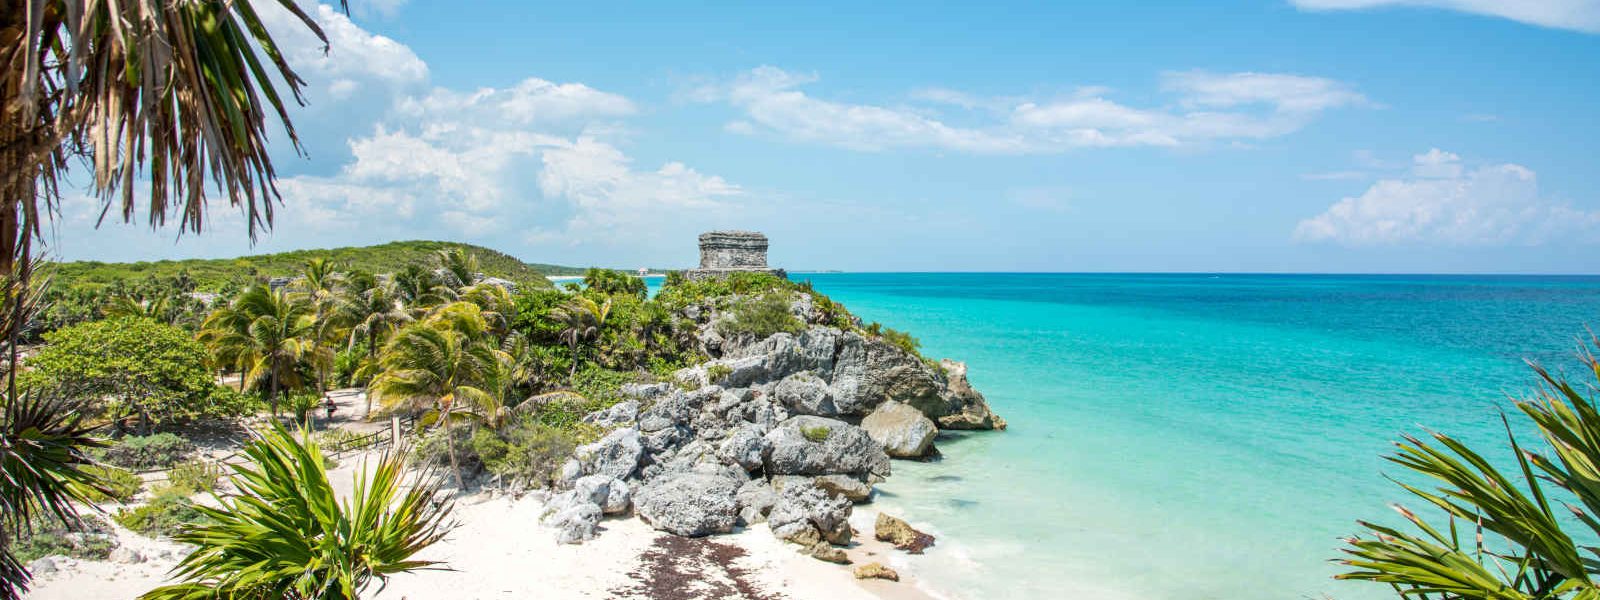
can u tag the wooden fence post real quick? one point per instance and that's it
(394, 432)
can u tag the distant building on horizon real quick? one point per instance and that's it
(724, 252)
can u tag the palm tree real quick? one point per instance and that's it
(374, 310)
(127, 305)
(446, 361)
(318, 285)
(1528, 553)
(266, 334)
(173, 90)
(287, 534)
(457, 268)
(420, 289)
(581, 319)
(499, 309)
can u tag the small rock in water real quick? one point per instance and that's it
(901, 534)
(876, 571)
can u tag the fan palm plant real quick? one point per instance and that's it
(126, 305)
(581, 319)
(265, 333)
(1519, 546)
(180, 88)
(447, 362)
(44, 448)
(286, 534)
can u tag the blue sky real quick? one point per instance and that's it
(1271, 135)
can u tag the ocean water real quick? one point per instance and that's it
(1196, 436)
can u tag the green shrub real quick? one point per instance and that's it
(130, 367)
(227, 403)
(148, 452)
(48, 536)
(163, 516)
(337, 439)
(763, 316)
(903, 341)
(525, 453)
(602, 387)
(121, 484)
(715, 373)
(194, 477)
(816, 434)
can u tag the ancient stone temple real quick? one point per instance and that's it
(723, 252)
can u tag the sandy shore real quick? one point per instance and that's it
(500, 551)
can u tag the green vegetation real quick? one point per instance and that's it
(193, 477)
(163, 516)
(92, 539)
(763, 316)
(286, 534)
(132, 367)
(526, 453)
(816, 434)
(1523, 536)
(116, 485)
(716, 373)
(218, 275)
(148, 452)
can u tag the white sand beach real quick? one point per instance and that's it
(499, 550)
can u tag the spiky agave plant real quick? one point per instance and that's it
(44, 448)
(1517, 544)
(286, 534)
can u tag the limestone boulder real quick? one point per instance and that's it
(616, 456)
(745, 448)
(901, 534)
(875, 570)
(903, 431)
(689, 503)
(971, 409)
(755, 500)
(806, 507)
(806, 394)
(574, 523)
(809, 445)
(623, 413)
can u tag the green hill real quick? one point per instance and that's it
(210, 274)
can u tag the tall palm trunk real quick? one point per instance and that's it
(372, 356)
(272, 387)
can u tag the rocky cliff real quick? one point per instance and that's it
(790, 430)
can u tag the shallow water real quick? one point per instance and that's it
(1197, 436)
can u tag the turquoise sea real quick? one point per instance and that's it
(1197, 436)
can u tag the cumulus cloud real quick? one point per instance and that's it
(537, 162)
(1210, 107)
(1577, 15)
(1444, 201)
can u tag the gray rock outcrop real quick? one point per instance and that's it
(903, 431)
(689, 503)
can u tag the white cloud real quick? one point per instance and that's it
(533, 101)
(1577, 15)
(355, 57)
(1283, 93)
(1214, 107)
(1445, 202)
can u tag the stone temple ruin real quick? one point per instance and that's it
(724, 252)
